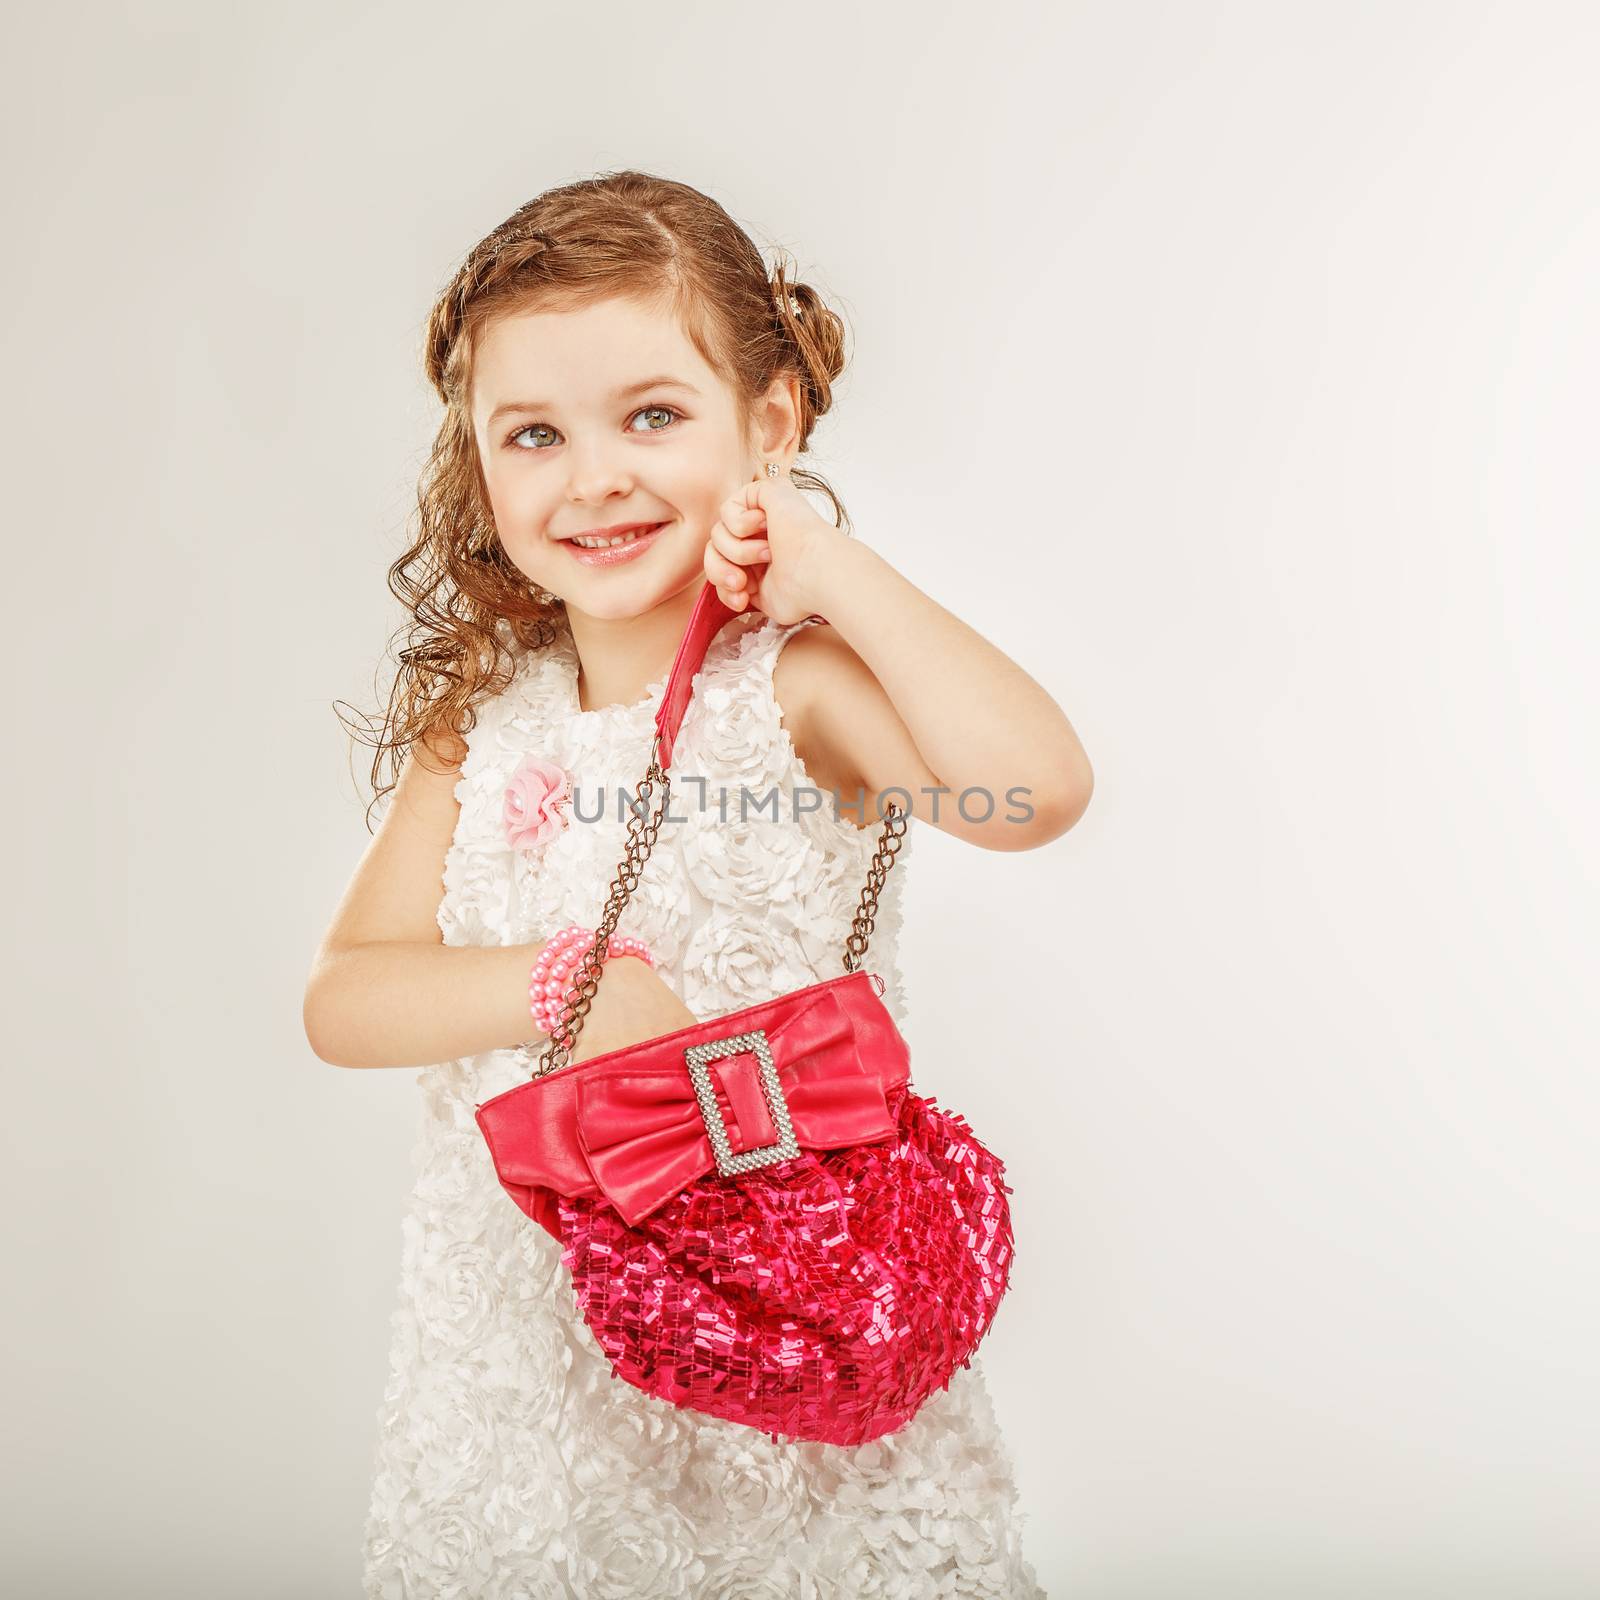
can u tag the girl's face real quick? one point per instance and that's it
(591, 418)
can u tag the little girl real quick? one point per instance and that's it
(626, 391)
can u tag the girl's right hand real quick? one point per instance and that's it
(632, 1003)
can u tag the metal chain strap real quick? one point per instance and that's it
(642, 830)
(643, 826)
(894, 827)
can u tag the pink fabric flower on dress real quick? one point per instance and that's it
(535, 802)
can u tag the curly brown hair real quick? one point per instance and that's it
(616, 235)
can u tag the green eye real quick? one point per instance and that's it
(665, 411)
(529, 427)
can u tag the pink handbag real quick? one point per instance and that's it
(762, 1220)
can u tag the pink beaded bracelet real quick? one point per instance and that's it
(553, 970)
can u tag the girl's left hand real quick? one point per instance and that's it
(765, 549)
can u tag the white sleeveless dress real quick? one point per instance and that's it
(511, 1463)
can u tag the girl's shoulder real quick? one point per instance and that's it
(518, 690)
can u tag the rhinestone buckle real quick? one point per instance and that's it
(699, 1058)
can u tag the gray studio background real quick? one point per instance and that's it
(1230, 366)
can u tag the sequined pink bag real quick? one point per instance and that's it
(763, 1221)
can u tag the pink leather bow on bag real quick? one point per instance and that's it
(632, 1130)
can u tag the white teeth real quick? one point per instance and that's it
(606, 544)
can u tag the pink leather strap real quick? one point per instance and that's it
(705, 622)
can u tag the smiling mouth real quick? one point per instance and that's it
(616, 550)
(617, 538)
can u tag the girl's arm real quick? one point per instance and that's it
(386, 991)
(396, 1004)
(900, 693)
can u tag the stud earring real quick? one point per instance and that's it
(775, 471)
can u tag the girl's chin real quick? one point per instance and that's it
(611, 597)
